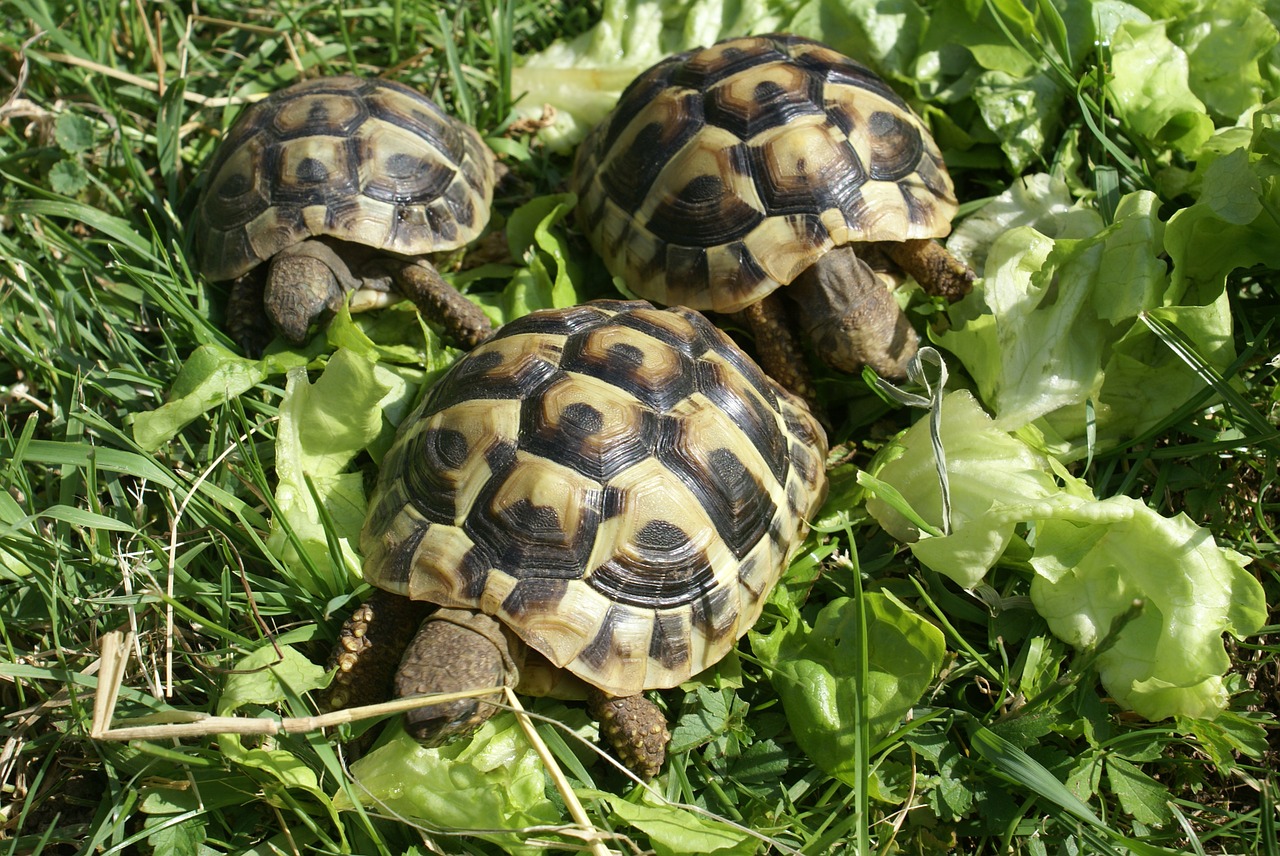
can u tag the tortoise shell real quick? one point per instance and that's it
(726, 171)
(619, 485)
(362, 160)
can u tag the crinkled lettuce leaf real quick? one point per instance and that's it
(1226, 43)
(814, 670)
(495, 781)
(1150, 88)
(269, 676)
(1053, 329)
(211, 376)
(1093, 558)
(323, 425)
(985, 508)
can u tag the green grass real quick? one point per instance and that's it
(100, 307)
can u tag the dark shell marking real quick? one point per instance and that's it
(362, 160)
(619, 484)
(725, 172)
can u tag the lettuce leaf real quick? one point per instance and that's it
(322, 427)
(1092, 557)
(1094, 560)
(815, 673)
(583, 77)
(1151, 91)
(1053, 329)
(994, 479)
(492, 782)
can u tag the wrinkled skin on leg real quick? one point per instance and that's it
(937, 271)
(306, 284)
(462, 321)
(777, 348)
(379, 654)
(851, 317)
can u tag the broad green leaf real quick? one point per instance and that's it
(675, 831)
(1052, 335)
(1150, 88)
(994, 478)
(1140, 795)
(211, 376)
(535, 233)
(184, 838)
(885, 35)
(1226, 42)
(322, 427)
(493, 781)
(1093, 561)
(267, 677)
(73, 133)
(583, 77)
(813, 670)
(68, 177)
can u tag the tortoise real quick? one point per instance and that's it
(727, 172)
(595, 502)
(335, 186)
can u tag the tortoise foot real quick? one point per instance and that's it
(636, 729)
(369, 649)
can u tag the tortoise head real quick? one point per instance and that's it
(454, 650)
(305, 285)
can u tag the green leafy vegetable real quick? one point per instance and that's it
(494, 781)
(266, 677)
(1095, 559)
(1151, 90)
(211, 376)
(675, 831)
(994, 478)
(582, 79)
(322, 427)
(815, 673)
(1053, 328)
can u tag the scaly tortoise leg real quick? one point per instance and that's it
(937, 271)
(246, 321)
(464, 323)
(635, 728)
(369, 649)
(778, 350)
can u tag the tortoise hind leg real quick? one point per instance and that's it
(635, 728)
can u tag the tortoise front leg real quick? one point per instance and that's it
(463, 322)
(778, 350)
(635, 728)
(369, 649)
(937, 271)
(246, 320)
